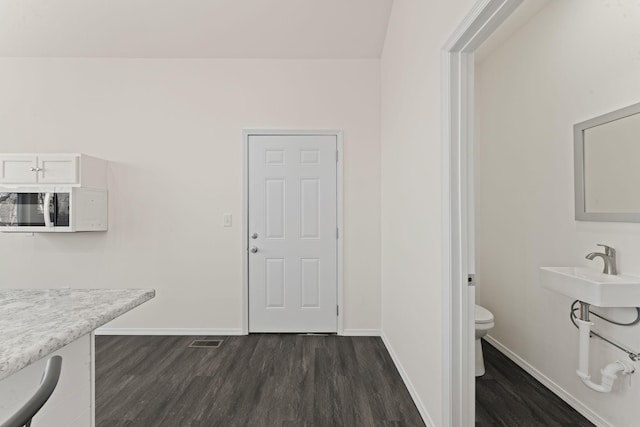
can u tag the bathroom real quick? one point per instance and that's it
(549, 67)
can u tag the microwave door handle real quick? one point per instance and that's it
(46, 210)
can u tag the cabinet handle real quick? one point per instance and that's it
(46, 210)
(35, 169)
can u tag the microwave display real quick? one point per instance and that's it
(26, 209)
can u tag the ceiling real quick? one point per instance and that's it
(194, 28)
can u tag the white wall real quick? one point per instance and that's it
(412, 276)
(575, 60)
(171, 130)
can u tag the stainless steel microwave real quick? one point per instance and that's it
(53, 209)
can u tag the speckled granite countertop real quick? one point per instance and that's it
(36, 322)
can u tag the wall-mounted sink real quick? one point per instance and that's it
(592, 287)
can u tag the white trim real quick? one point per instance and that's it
(361, 332)
(426, 417)
(571, 400)
(457, 130)
(340, 243)
(168, 331)
(245, 214)
(245, 232)
(92, 375)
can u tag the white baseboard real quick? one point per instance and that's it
(547, 382)
(407, 382)
(361, 332)
(168, 331)
(205, 331)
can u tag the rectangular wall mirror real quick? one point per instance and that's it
(607, 166)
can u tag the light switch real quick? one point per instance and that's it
(227, 219)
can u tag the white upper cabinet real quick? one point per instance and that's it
(16, 169)
(58, 169)
(75, 170)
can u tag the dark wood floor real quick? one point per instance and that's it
(255, 380)
(508, 396)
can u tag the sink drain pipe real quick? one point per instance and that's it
(610, 372)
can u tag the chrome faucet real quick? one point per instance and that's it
(609, 258)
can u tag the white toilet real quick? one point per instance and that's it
(484, 322)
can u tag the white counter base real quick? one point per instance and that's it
(72, 404)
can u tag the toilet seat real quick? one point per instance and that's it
(482, 315)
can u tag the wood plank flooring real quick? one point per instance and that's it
(508, 396)
(256, 380)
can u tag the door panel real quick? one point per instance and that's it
(310, 268)
(58, 169)
(293, 211)
(274, 209)
(18, 169)
(274, 282)
(310, 208)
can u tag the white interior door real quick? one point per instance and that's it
(292, 225)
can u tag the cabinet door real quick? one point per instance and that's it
(18, 169)
(54, 169)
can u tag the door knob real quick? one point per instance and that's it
(254, 236)
(253, 249)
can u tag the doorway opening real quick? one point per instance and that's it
(457, 133)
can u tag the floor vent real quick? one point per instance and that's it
(205, 343)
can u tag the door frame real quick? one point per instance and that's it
(246, 133)
(458, 384)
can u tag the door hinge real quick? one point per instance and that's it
(337, 310)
